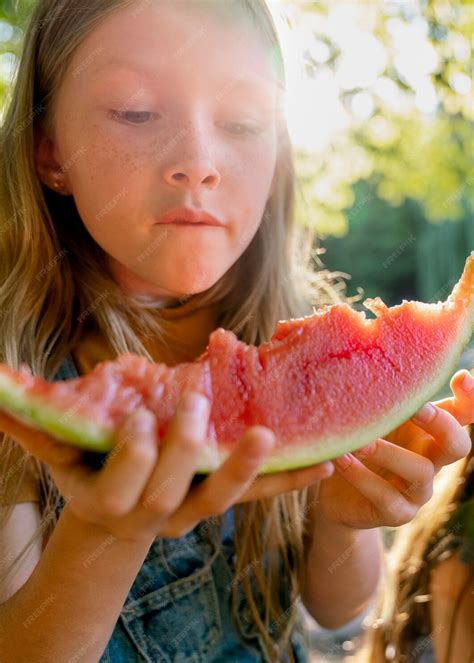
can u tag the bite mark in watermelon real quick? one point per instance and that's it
(326, 384)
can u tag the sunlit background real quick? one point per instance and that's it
(315, 111)
(393, 71)
(380, 108)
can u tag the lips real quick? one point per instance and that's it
(185, 215)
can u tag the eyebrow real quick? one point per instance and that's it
(248, 82)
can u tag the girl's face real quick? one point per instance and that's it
(165, 106)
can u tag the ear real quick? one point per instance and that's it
(49, 170)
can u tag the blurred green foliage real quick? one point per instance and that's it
(397, 184)
(426, 156)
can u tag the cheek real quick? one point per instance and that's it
(250, 179)
(247, 174)
(107, 177)
(110, 162)
(98, 159)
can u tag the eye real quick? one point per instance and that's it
(242, 129)
(132, 116)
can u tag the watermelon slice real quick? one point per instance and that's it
(326, 384)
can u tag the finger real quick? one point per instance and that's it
(450, 440)
(390, 507)
(128, 467)
(224, 486)
(416, 471)
(179, 452)
(283, 482)
(462, 384)
(461, 405)
(37, 443)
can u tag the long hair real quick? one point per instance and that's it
(50, 271)
(400, 618)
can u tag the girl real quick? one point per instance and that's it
(425, 614)
(123, 112)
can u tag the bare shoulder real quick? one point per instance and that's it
(24, 520)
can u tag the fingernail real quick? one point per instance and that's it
(261, 442)
(328, 468)
(425, 414)
(269, 437)
(344, 461)
(266, 435)
(194, 403)
(139, 419)
(366, 451)
(468, 382)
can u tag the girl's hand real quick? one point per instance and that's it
(386, 482)
(144, 489)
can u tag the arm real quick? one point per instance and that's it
(342, 572)
(68, 607)
(74, 596)
(15, 533)
(382, 484)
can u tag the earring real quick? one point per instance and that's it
(59, 186)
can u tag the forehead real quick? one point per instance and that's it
(217, 78)
(160, 39)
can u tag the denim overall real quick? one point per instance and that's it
(178, 609)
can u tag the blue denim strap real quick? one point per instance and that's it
(67, 370)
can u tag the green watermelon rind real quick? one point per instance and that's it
(40, 414)
(69, 427)
(313, 452)
(298, 457)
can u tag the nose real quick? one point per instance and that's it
(191, 167)
(192, 176)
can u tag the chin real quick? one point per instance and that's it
(193, 283)
(195, 289)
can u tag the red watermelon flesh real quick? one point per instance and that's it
(326, 384)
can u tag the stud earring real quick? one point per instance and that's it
(59, 187)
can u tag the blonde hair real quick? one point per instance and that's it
(42, 292)
(399, 618)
